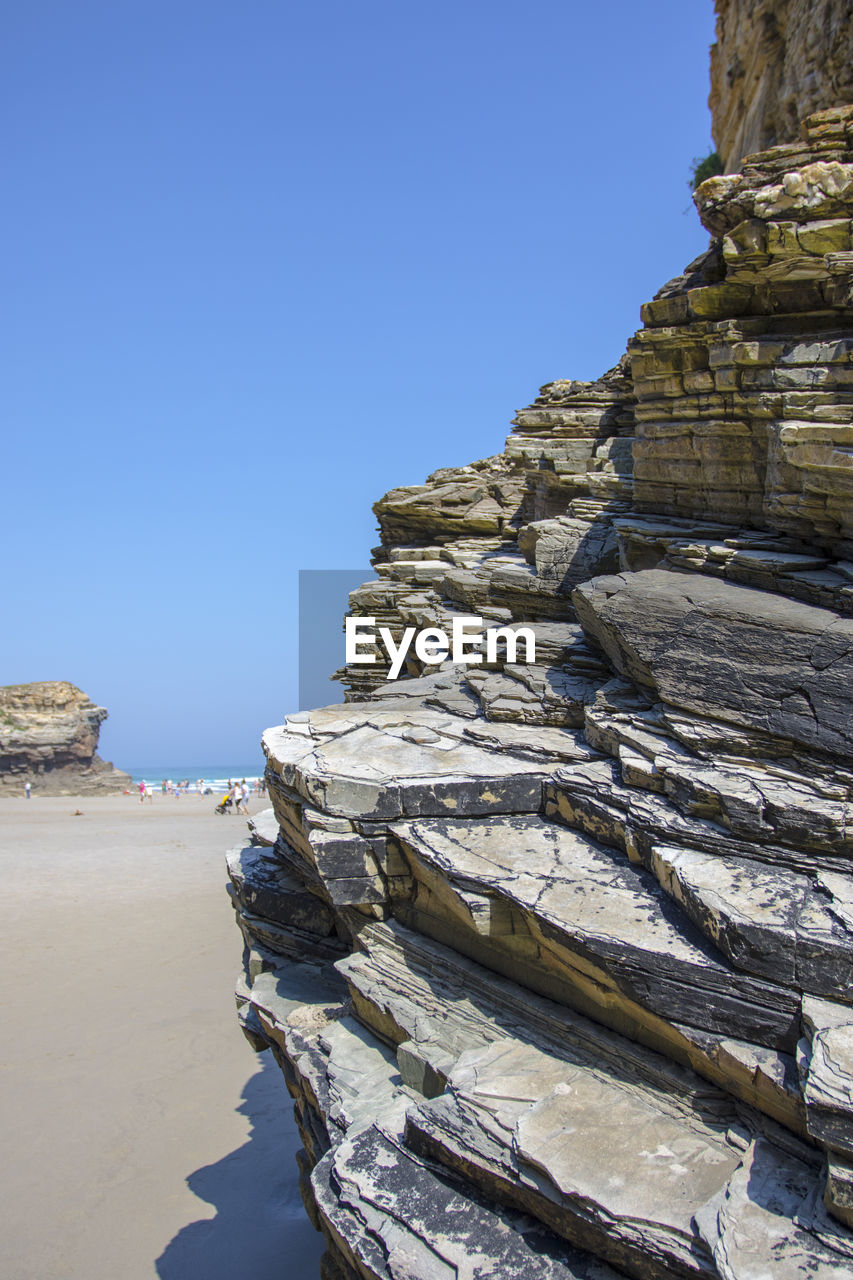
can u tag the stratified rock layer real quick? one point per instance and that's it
(743, 373)
(49, 737)
(556, 956)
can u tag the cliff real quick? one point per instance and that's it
(774, 63)
(556, 956)
(49, 737)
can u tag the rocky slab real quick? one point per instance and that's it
(796, 930)
(576, 919)
(265, 888)
(593, 797)
(768, 1222)
(746, 657)
(434, 1004)
(394, 1219)
(384, 759)
(600, 1164)
(826, 1069)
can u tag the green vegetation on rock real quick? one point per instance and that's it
(702, 167)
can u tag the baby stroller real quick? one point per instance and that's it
(224, 805)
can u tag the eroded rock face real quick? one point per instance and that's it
(49, 737)
(573, 441)
(556, 956)
(775, 62)
(742, 373)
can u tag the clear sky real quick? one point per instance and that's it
(262, 262)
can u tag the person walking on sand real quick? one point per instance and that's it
(244, 797)
(27, 789)
(142, 792)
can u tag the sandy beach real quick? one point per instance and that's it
(138, 1123)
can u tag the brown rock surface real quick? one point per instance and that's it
(774, 62)
(742, 372)
(49, 737)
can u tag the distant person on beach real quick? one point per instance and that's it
(27, 789)
(142, 793)
(244, 798)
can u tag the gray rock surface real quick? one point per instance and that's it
(601, 1164)
(766, 1221)
(580, 922)
(746, 657)
(555, 956)
(361, 1187)
(790, 928)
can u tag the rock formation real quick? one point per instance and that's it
(49, 737)
(557, 957)
(774, 63)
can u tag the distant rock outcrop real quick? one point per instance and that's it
(49, 737)
(556, 956)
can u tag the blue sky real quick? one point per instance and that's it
(265, 261)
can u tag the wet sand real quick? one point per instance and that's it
(141, 1136)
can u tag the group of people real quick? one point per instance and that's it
(239, 794)
(236, 796)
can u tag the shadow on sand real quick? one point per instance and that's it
(260, 1228)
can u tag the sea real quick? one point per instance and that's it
(213, 776)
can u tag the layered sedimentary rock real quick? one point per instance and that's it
(742, 373)
(774, 63)
(49, 737)
(556, 952)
